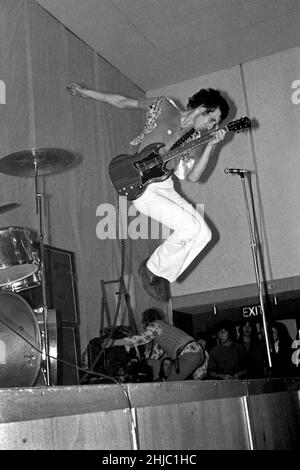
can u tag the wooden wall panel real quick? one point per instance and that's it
(191, 415)
(275, 419)
(93, 431)
(209, 425)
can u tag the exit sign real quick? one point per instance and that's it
(251, 311)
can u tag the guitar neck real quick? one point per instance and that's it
(187, 146)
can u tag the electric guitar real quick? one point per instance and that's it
(131, 174)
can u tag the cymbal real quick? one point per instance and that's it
(49, 160)
(9, 207)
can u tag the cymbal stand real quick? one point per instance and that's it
(38, 198)
(256, 268)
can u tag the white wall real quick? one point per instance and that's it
(263, 90)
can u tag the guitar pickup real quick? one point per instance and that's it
(138, 167)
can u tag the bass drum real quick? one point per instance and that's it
(20, 342)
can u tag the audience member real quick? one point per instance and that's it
(227, 360)
(255, 349)
(282, 365)
(164, 369)
(212, 338)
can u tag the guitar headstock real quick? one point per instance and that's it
(239, 125)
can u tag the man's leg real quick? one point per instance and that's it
(188, 363)
(190, 232)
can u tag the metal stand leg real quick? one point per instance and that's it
(122, 291)
(256, 268)
(39, 197)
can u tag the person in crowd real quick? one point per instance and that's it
(166, 123)
(212, 338)
(164, 339)
(227, 360)
(281, 356)
(255, 349)
(165, 369)
(201, 372)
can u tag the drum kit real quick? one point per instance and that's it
(27, 338)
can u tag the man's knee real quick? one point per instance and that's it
(205, 234)
(197, 229)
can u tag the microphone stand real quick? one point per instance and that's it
(38, 197)
(256, 267)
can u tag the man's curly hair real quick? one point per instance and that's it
(211, 99)
(152, 314)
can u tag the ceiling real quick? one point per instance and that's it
(156, 43)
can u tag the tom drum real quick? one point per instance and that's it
(18, 258)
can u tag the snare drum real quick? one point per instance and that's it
(29, 282)
(18, 258)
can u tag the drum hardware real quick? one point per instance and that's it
(36, 162)
(48, 160)
(52, 341)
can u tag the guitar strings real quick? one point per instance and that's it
(243, 123)
(176, 144)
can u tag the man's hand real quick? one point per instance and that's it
(107, 343)
(219, 135)
(75, 89)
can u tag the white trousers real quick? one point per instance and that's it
(190, 233)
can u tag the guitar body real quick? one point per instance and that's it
(131, 174)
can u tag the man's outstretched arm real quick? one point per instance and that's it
(119, 101)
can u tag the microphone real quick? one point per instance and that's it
(235, 171)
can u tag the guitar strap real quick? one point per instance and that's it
(183, 138)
